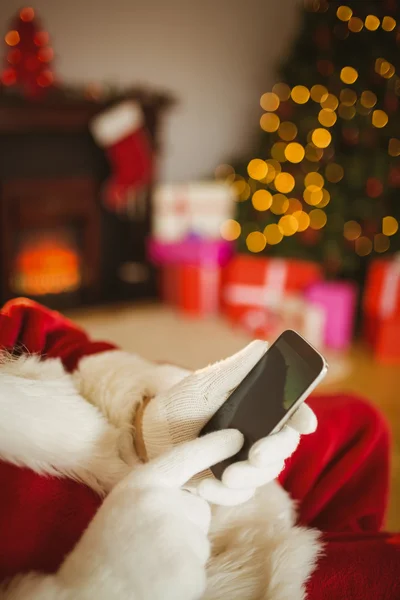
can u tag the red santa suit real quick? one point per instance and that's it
(338, 476)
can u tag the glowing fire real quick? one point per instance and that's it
(46, 266)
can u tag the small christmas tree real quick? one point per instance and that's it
(28, 56)
(324, 183)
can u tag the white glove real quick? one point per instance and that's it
(148, 541)
(179, 414)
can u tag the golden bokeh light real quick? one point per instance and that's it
(294, 205)
(230, 230)
(273, 234)
(321, 138)
(319, 93)
(284, 182)
(282, 90)
(269, 122)
(379, 119)
(363, 246)
(287, 131)
(334, 172)
(241, 189)
(300, 94)
(346, 112)
(278, 151)
(318, 218)
(384, 68)
(257, 168)
(326, 197)
(256, 241)
(344, 13)
(269, 101)
(294, 152)
(372, 23)
(390, 225)
(355, 24)
(313, 196)
(12, 38)
(330, 103)
(352, 230)
(381, 243)
(327, 118)
(388, 23)
(313, 154)
(348, 75)
(394, 147)
(314, 181)
(348, 97)
(262, 200)
(368, 99)
(288, 225)
(302, 219)
(389, 72)
(280, 204)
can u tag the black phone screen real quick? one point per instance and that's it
(267, 393)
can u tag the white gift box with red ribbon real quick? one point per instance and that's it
(199, 208)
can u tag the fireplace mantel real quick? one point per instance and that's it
(51, 177)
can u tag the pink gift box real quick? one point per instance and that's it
(192, 251)
(338, 299)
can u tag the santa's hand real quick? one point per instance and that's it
(180, 414)
(149, 539)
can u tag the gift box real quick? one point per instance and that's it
(199, 208)
(381, 305)
(190, 272)
(251, 282)
(382, 289)
(338, 301)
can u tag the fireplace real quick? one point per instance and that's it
(58, 244)
(50, 238)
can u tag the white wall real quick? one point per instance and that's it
(216, 56)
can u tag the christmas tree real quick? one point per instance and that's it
(324, 181)
(28, 56)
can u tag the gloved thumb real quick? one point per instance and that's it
(179, 414)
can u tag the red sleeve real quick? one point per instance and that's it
(26, 326)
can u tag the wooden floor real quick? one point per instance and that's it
(159, 334)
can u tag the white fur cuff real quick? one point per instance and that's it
(116, 123)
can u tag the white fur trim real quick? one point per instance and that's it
(46, 425)
(116, 123)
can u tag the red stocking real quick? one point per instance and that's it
(120, 131)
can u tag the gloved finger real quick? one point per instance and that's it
(275, 447)
(303, 420)
(180, 464)
(196, 510)
(215, 492)
(243, 475)
(219, 379)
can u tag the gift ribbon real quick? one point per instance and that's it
(209, 289)
(268, 294)
(391, 288)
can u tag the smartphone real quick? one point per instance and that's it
(270, 393)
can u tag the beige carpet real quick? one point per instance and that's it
(158, 333)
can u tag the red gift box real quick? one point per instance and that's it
(382, 309)
(199, 289)
(251, 282)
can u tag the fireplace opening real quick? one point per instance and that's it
(46, 263)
